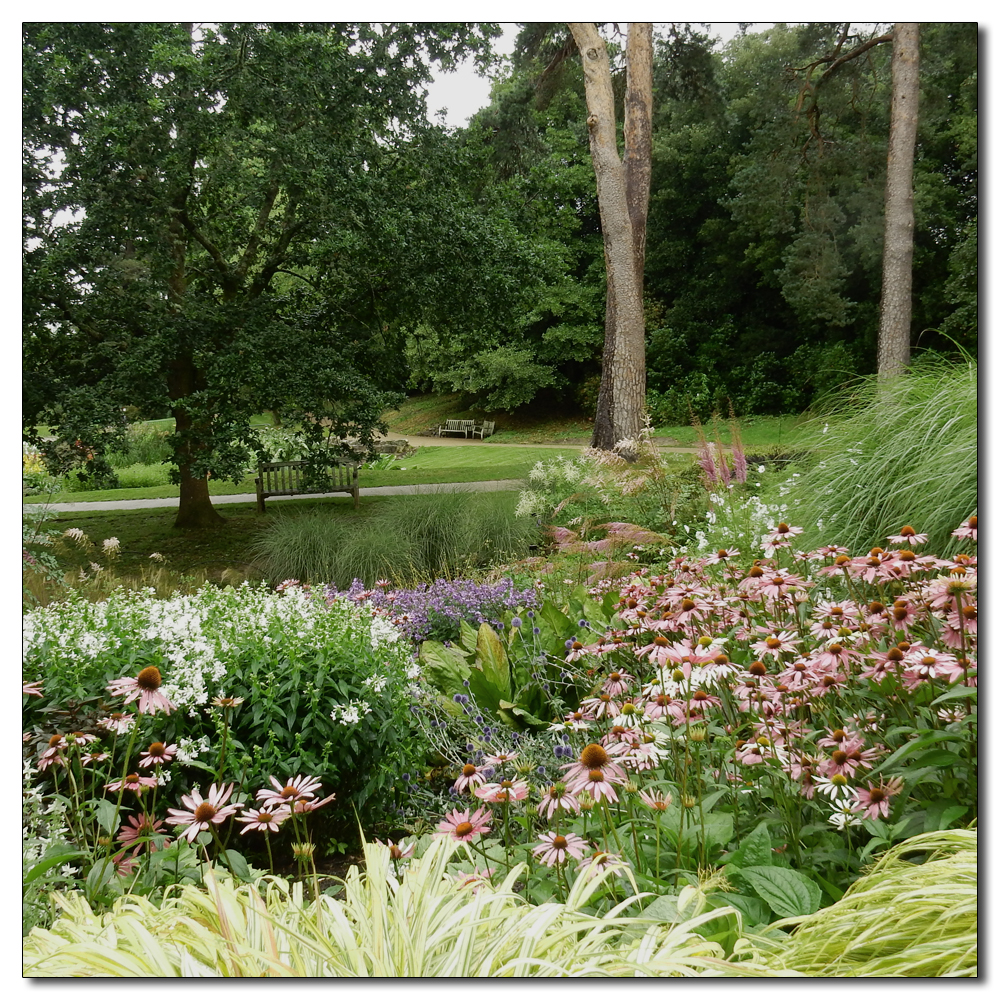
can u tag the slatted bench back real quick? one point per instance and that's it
(286, 479)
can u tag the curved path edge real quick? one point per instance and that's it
(366, 491)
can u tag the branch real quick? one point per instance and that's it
(258, 230)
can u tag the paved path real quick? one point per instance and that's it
(369, 491)
(415, 440)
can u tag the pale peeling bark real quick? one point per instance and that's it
(621, 406)
(896, 307)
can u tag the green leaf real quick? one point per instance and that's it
(46, 864)
(754, 850)
(237, 864)
(910, 748)
(519, 717)
(492, 659)
(104, 810)
(942, 813)
(443, 666)
(788, 892)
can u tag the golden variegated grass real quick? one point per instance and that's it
(900, 919)
(422, 924)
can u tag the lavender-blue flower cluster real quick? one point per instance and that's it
(436, 610)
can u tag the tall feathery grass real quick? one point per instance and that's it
(898, 451)
(424, 922)
(405, 540)
(901, 919)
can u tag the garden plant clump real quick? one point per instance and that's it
(135, 702)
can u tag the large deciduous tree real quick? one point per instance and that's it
(623, 197)
(896, 306)
(210, 229)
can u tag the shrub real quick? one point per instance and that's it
(142, 446)
(404, 540)
(323, 688)
(897, 451)
(142, 475)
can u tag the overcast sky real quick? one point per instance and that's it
(463, 93)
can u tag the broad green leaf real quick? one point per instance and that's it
(788, 892)
(492, 659)
(237, 864)
(443, 666)
(104, 810)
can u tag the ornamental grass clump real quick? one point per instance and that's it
(427, 921)
(403, 540)
(898, 449)
(900, 919)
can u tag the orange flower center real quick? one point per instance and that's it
(463, 829)
(156, 749)
(469, 770)
(149, 678)
(594, 756)
(595, 774)
(559, 843)
(205, 812)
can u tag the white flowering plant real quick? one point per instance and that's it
(309, 686)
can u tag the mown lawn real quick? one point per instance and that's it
(430, 464)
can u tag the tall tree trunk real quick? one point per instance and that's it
(896, 308)
(195, 509)
(623, 197)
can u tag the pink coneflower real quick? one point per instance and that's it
(294, 790)
(470, 778)
(94, 758)
(145, 687)
(835, 657)
(848, 757)
(837, 738)
(722, 555)
(781, 642)
(556, 847)
(264, 818)
(397, 851)
(968, 529)
(311, 805)
(596, 782)
(201, 813)
(117, 722)
(617, 682)
(501, 759)
(656, 800)
(31, 687)
(558, 797)
(603, 706)
(142, 825)
(158, 754)
(875, 800)
(133, 782)
(600, 861)
(460, 825)
(779, 537)
(907, 536)
(53, 753)
(502, 791)
(596, 756)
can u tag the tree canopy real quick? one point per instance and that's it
(226, 218)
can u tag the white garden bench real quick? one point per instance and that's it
(484, 430)
(290, 479)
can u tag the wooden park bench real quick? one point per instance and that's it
(484, 430)
(463, 427)
(289, 479)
